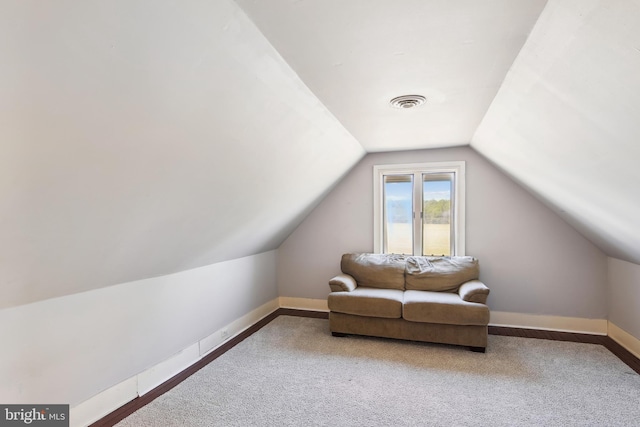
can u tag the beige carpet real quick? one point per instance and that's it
(294, 373)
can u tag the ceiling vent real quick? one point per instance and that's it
(408, 101)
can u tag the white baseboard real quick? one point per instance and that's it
(304, 304)
(549, 323)
(102, 404)
(625, 339)
(213, 341)
(157, 374)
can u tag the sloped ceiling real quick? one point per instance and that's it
(566, 120)
(140, 138)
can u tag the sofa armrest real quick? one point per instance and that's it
(342, 283)
(474, 291)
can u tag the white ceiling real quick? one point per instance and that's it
(144, 137)
(356, 55)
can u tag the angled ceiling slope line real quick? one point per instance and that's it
(143, 138)
(565, 121)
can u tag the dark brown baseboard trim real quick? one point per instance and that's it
(137, 403)
(547, 335)
(622, 353)
(302, 313)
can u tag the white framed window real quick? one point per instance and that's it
(419, 208)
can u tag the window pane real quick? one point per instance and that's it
(398, 214)
(419, 208)
(437, 213)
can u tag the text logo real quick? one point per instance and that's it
(34, 415)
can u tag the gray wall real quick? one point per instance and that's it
(69, 349)
(531, 259)
(624, 295)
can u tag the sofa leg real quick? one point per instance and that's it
(338, 334)
(478, 349)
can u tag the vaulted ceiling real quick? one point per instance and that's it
(356, 55)
(140, 138)
(547, 91)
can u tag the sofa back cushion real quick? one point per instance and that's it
(375, 270)
(443, 274)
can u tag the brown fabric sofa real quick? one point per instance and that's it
(433, 299)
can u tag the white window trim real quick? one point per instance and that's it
(457, 167)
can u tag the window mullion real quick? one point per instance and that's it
(454, 220)
(418, 213)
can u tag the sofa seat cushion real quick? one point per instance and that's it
(440, 273)
(372, 302)
(443, 307)
(375, 270)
